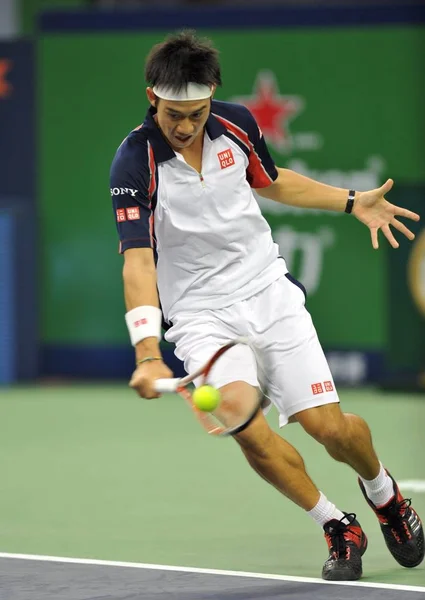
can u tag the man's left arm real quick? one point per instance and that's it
(297, 190)
(371, 207)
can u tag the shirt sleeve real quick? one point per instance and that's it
(130, 182)
(261, 170)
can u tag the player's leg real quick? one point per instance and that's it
(286, 346)
(347, 438)
(274, 459)
(279, 463)
(303, 389)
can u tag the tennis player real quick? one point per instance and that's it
(196, 245)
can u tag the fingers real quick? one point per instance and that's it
(384, 189)
(144, 378)
(403, 229)
(374, 236)
(408, 214)
(144, 388)
(388, 234)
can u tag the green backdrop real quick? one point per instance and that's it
(358, 97)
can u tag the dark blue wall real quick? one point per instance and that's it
(18, 210)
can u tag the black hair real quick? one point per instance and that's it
(181, 59)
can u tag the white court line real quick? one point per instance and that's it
(412, 485)
(131, 565)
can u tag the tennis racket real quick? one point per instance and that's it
(232, 415)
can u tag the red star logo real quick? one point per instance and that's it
(5, 86)
(271, 110)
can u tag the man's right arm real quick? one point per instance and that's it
(139, 275)
(130, 182)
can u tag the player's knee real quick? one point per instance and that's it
(238, 401)
(330, 430)
(331, 435)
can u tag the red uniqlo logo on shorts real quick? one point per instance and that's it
(317, 388)
(328, 386)
(133, 213)
(226, 158)
(121, 215)
(140, 322)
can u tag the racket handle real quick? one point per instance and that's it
(164, 386)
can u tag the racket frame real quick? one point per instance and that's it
(179, 385)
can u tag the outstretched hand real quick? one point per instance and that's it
(375, 212)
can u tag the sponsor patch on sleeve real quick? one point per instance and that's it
(317, 388)
(121, 216)
(133, 213)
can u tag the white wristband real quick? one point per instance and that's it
(144, 322)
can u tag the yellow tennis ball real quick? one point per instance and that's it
(206, 398)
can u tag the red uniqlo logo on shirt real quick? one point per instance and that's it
(328, 386)
(121, 215)
(317, 388)
(140, 322)
(133, 213)
(226, 158)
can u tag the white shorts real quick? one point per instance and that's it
(284, 356)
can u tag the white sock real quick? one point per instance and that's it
(324, 511)
(379, 490)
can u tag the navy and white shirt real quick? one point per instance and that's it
(213, 245)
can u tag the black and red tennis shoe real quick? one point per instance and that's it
(347, 543)
(401, 527)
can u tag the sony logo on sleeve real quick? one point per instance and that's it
(116, 191)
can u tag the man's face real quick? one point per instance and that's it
(181, 122)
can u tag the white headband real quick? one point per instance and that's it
(193, 91)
